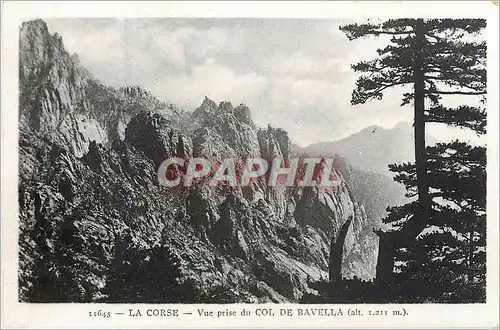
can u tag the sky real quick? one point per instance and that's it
(292, 73)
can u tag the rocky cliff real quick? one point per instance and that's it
(58, 97)
(95, 225)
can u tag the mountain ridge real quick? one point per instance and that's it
(371, 149)
(95, 225)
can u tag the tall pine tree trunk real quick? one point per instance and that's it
(385, 260)
(422, 215)
(418, 222)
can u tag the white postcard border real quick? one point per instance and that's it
(22, 315)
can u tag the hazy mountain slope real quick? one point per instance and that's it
(373, 148)
(363, 158)
(95, 226)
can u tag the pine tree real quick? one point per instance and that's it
(451, 253)
(435, 59)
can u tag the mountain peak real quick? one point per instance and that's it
(403, 126)
(372, 129)
(371, 149)
(207, 103)
(36, 24)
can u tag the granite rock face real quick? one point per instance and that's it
(60, 98)
(95, 225)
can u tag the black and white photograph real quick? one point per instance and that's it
(104, 102)
(252, 160)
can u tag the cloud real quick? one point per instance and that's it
(137, 51)
(91, 41)
(212, 80)
(294, 74)
(310, 67)
(180, 44)
(170, 46)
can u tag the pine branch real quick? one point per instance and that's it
(464, 116)
(469, 26)
(355, 31)
(458, 64)
(460, 81)
(453, 168)
(457, 92)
